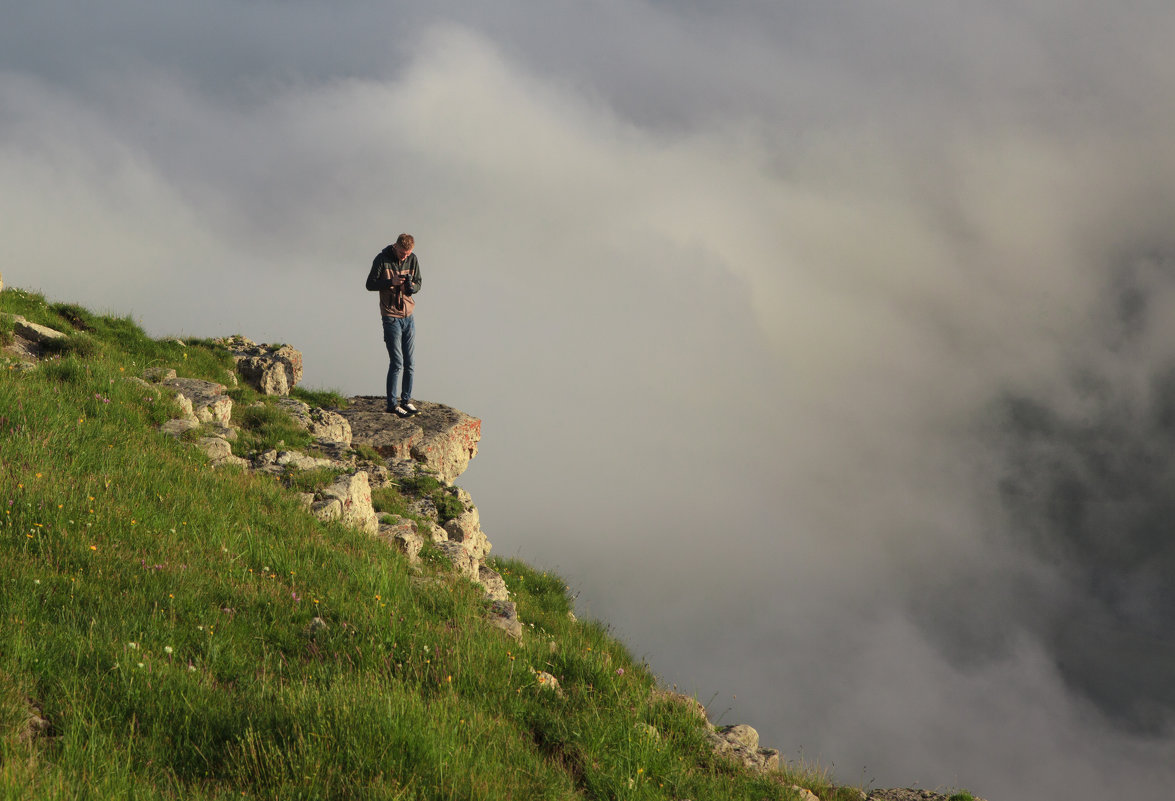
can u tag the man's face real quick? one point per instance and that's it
(401, 252)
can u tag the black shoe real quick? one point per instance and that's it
(401, 411)
(408, 407)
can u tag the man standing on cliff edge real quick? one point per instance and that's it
(395, 274)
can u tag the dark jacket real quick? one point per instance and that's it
(395, 281)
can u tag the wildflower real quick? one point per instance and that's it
(167, 649)
(619, 671)
(93, 547)
(141, 664)
(132, 645)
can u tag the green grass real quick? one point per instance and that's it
(265, 428)
(158, 613)
(322, 398)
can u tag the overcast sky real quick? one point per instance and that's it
(827, 348)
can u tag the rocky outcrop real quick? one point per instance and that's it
(439, 437)
(269, 369)
(348, 499)
(323, 424)
(910, 795)
(741, 743)
(202, 401)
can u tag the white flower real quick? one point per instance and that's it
(132, 645)
(167, 649)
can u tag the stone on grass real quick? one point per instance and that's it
(504, 615)
(201, 400)
(403, 536)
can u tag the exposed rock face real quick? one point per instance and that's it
(466, 529)
(440, 437)
(348, 499)
(269, 370)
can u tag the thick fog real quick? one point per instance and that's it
(827, 349)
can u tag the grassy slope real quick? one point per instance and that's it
(158, 614)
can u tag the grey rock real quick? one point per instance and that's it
(327, 509)
(425, 507)
(178, 427)
(908, 794)
(403, 535)
(463, 561)
(353, 494)
(215, 448)
(440, 437)
(491, 580)
(268, 369)
(741, 743)
(204, 400)
(323, 424)
(504, 615)
(300, 461)
(34, 332)
(157, 375)
(466, 529)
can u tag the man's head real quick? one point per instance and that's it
(403, 246)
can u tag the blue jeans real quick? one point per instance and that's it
(400, 338)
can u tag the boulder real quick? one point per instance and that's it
(466, 529)
(439, 437)
(504, 615)
(494, 584)
(403, 536)
(741, 743)
(34, 332)
(323, 424)
(219, 452)
(269, 369)
(348, 499)
(201, 400)
(464, 562)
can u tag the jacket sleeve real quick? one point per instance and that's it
(374, 282)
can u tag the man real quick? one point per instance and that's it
(395, 274)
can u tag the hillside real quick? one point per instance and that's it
(215, 593)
